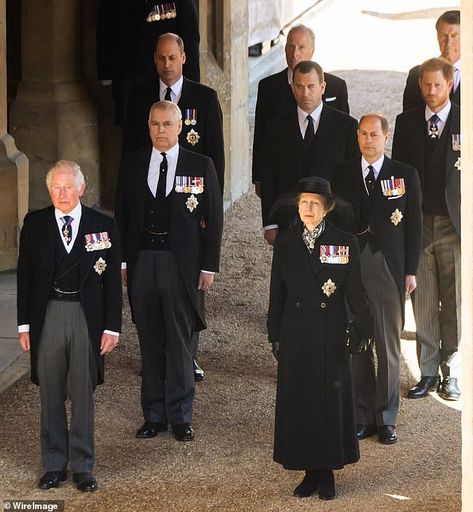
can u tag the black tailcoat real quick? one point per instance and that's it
(194, 236)
(401, 243)
(194, 96)
(100, 294)
(275, 97)
(315, 422)
(412, 96)
(287, 158)
(408, 147)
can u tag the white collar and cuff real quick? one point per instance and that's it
(176, 90)
(302, 118)
(76, 214)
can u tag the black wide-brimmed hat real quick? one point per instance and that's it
(314, 185)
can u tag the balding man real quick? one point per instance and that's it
(170, 215)
(275, 92)
(69, 317)
(448, 36)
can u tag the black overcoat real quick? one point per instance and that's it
(315, 419)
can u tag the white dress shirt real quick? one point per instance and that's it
(442, 114)
(302, 117)
(376, 168)
(176, 90)
(172, 155)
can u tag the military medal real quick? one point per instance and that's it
(335, 254)
(189, 184)
(97, 241)
(193, 137)
(163, 12)
(329, 287)
(100, 266)
(396, 217)
(393, 187)
(192, 203)
(190, 116)
(456, 142)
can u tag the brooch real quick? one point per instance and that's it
(193, 137)
(329, 287)
(100, 266)
(396, 217)
(192, 203)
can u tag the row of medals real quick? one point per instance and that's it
(162, 12)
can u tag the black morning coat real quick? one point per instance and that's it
(275, 97)
(208, 114)
(315, 420)
(400, 242)
(194, 236)
(408, 147)
(100, 294)
(287, 158)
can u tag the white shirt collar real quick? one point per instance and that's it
(289, 75)
(75, 213)
(442, 114)
(315, 114)
(457, 65)
(377, 166)
(176, 89)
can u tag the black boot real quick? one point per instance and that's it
(308, 486)
(326, 485)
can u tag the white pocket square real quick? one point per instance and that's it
(332, 98)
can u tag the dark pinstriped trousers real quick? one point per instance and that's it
(165, 320)
(437, 298)
(66, 369)
(377, 390)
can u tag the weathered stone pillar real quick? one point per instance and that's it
(224, 66)
(467, 252)
(52, 116)
(13, 170)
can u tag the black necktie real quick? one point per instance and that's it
(309, 132)
(167, 96)
(370, 179)
(67, 228)
(433, 127)
(163, 172)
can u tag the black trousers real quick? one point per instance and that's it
(165, 320)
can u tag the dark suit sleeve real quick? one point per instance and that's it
(352, 147)
(188, 30)
(412, 96)
(277, 296)
(135, 119)
(122, 211)
(268, 178)
(413, 233)
(112, 286)
(343, 98)
(24, 273)
(215, 146)
(400, 147)
(261, 116)
(213, 219)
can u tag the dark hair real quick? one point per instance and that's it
(384, 122)
(307, 66)
(450, 17)
(437, 64)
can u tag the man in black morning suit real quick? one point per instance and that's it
(170, 215)
(203, 126)
(448, 36)
(275, 93)
(69, 316)
(202, 130)
(386, 200)
(428, 138)
(306, 140)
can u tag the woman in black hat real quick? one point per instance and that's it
(315, 273)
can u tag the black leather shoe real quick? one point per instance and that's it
(183, 432)
(52, 479)
(326, 485)
(198, 372)
(364, 431)
(387, 434)
(308, 486)
(449, 389)
(150, 429)
(424, 387)
(85, 482)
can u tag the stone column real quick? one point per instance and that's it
(467, 252)
(225, 68)
(13, 170)
(52, 117)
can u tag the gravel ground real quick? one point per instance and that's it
(229, 465)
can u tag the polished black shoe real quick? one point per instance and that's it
(198, 372)
(52, 479)
(308, 486)
(85, 482)
(326, 485)
(387, 434)
(424, 387)
(183, 432)
(449, 389)
(150, 429)
(364, 431)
